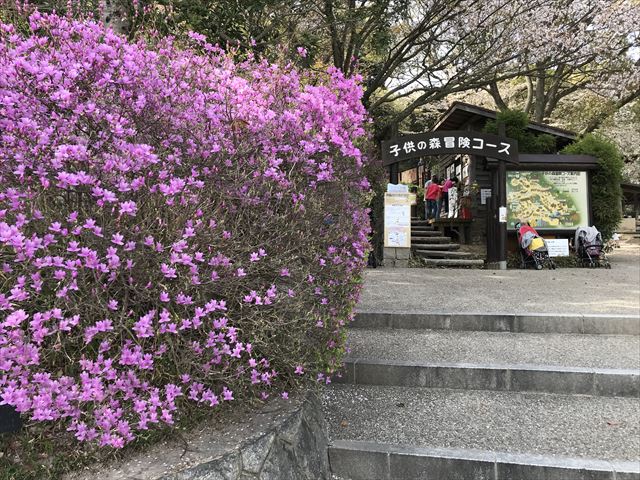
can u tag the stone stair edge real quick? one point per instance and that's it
(596, 382)
(596, 324)
(450, 262)
(443, 254)
(493, 366)
(497, 314)
(383, 458)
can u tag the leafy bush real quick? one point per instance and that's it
(606, 193)
(515, 122)
(177, 229)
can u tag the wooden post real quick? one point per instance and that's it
(393, 173)
(501, 229)
(502, 226)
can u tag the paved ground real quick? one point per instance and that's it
(532, 423)
(569, 290)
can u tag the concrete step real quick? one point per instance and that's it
(568, 364)
(421, 252)
(420, 433)
(437, 246)
(421, 222)
(596, 324)
(452, 262)
(424, 233)
(502, 377)
(377, 461)
(492, 348)
(427, 239)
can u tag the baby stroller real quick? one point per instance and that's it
(533, 248)
(590, 248)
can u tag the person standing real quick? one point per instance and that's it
(445, 195)
(453, 198)
(439, 199)
(426, 205)
(432, 194)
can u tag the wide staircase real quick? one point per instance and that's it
(437, 250)
(495, 397)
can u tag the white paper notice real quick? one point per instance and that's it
(397, 239)
(485, 193)
(397, 216)
(502, 215)
(558, 247)
(400, 188)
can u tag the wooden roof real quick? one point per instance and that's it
(460, 114)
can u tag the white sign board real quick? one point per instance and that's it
(400, 188)
(558, 247)
(397, 219)
(397, 216)
(502, 215)
(485, 193)
(396, 239)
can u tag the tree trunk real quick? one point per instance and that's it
(497, 98)
(529, 103)
(538, 113)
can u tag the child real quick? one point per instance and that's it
(615, 240)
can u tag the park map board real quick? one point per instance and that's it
(553, 200)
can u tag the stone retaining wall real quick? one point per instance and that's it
(284, 440)
(293, 449)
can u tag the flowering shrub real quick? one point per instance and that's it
(177, 229)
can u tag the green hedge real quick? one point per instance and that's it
(606, 193)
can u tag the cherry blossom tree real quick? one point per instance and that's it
(579, 45)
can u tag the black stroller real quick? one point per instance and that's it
(533, 248)
(590, 248)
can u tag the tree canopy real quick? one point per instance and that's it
(413, 53)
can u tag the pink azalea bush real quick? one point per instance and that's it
(177, 229)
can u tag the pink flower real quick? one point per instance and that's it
(227, 394)
(117, 239)
(168, 271)
(128, 208)
(15, 319)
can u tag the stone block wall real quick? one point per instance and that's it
(282, 440)
(396, 257)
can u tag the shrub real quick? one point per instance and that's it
(177, 229)
(515, 122)
(606, 193)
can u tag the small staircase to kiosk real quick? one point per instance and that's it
(437, 250)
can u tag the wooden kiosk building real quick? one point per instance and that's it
(499, 186)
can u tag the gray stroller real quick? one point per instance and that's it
(590, 248)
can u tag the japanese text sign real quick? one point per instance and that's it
(449, 142)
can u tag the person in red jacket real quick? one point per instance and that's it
(432, 195)
(445, 195)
